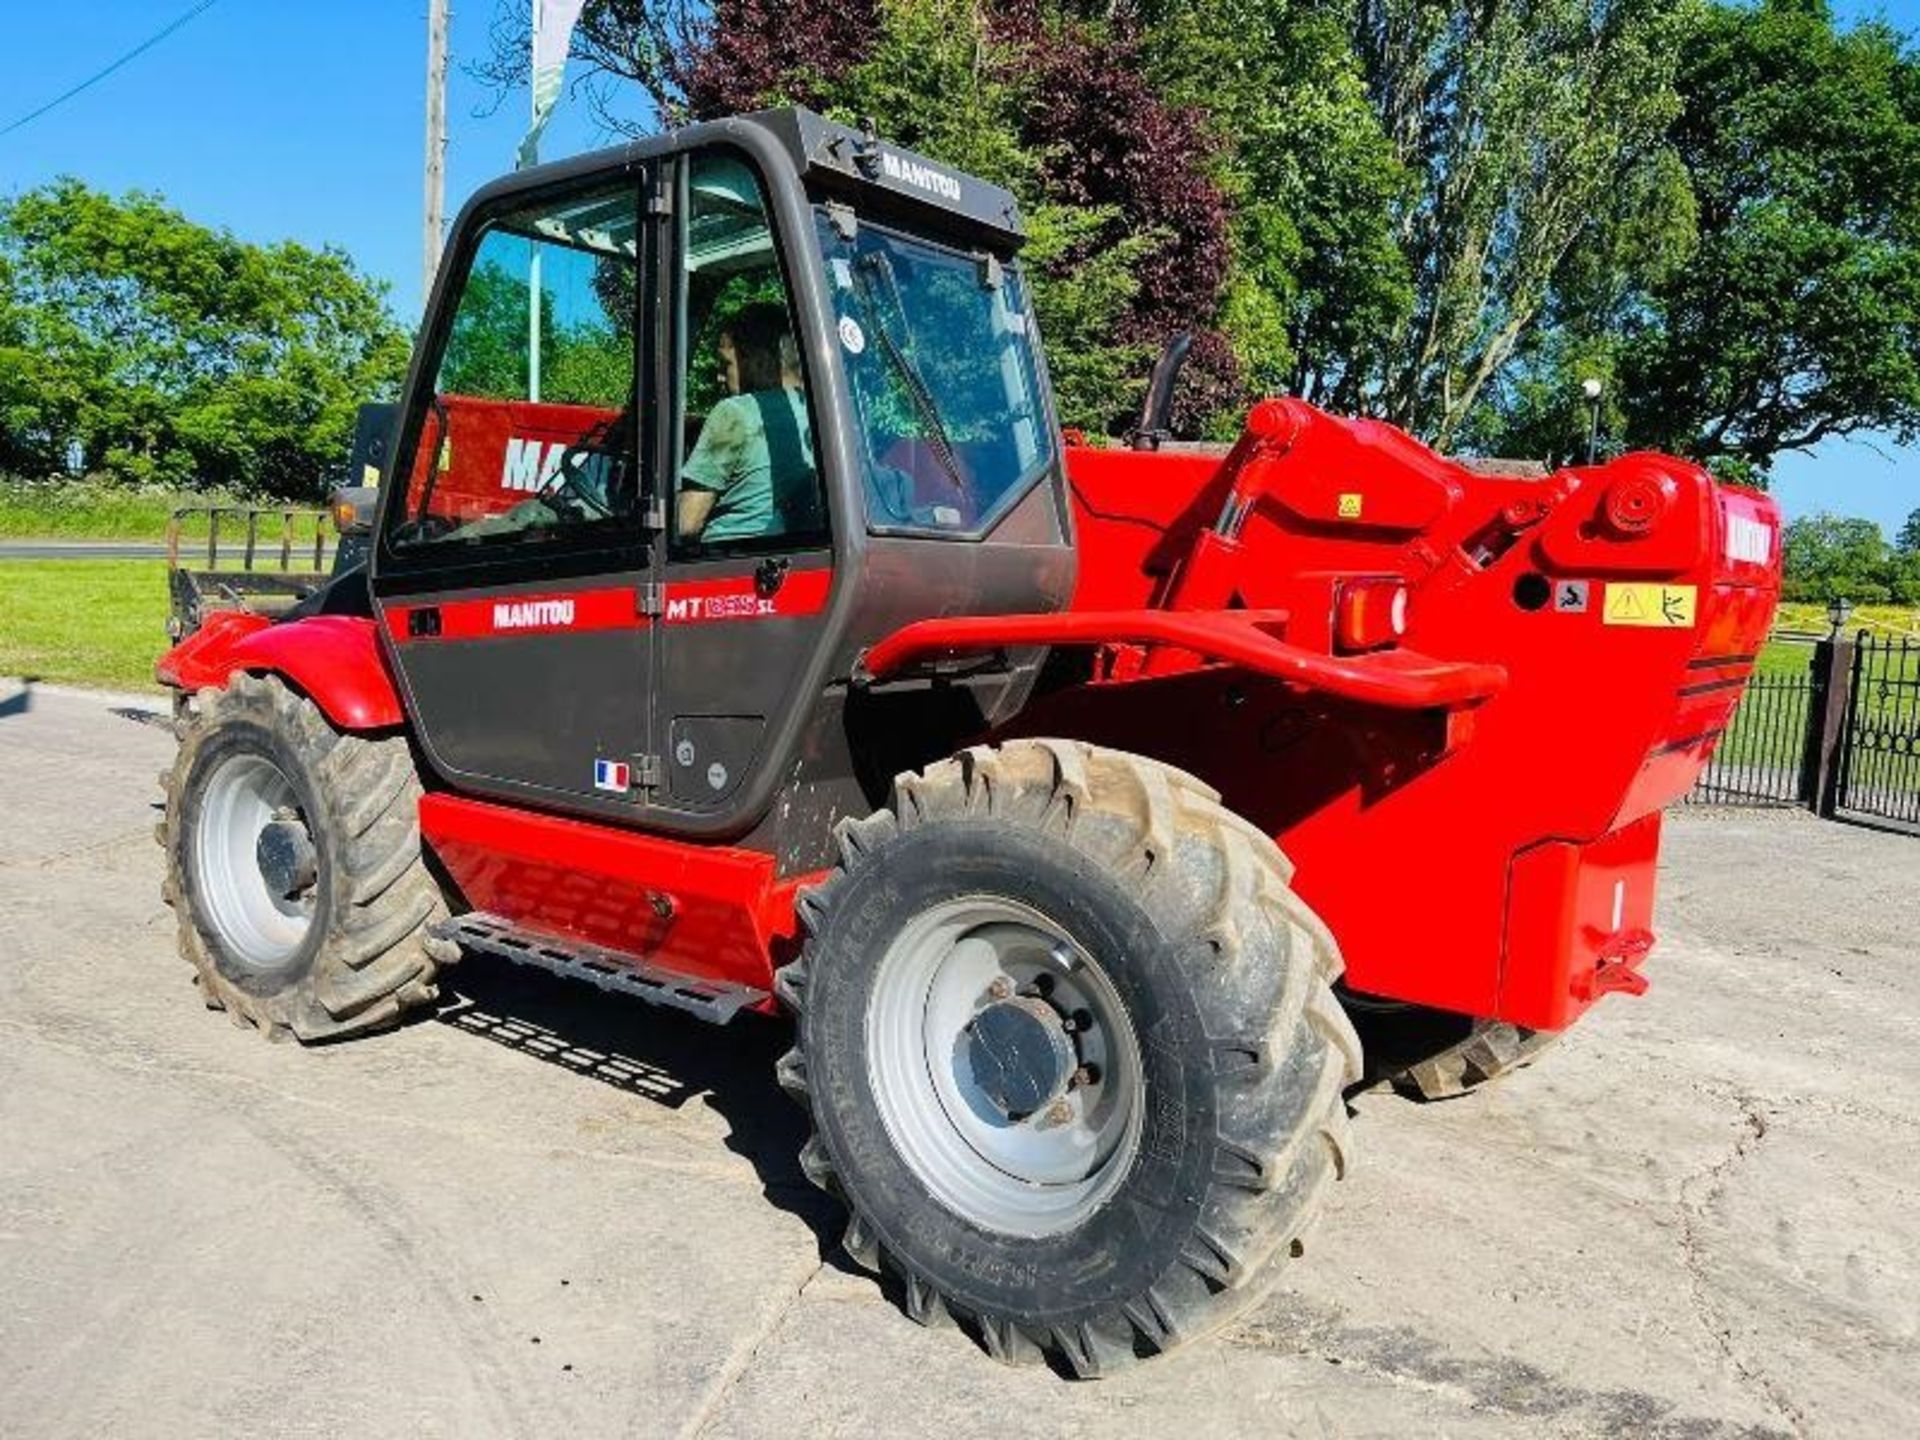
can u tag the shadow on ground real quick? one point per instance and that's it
(662, 1057)
(21, 701)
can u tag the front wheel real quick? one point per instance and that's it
(295, 866)
(1071, 1050)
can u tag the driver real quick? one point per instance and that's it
(751, 473)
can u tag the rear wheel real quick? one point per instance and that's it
(1071, 1050)
(1437, 1054)
(294, 863)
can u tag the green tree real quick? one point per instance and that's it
(1318, 283)
(1908, 540)
(1531, 126)
(1798, 316)
(950, 89)
(166, 351)
(1829, 557)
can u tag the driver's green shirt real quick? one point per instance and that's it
(763, 483)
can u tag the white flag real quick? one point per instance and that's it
(553, 22)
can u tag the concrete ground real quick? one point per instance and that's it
(555, 1213)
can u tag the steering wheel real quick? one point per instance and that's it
(422, 529)
(570, 486)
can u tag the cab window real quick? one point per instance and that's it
(748, 474)
(530, 431)
(939, 346)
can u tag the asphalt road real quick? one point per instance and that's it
(80, 550)
(557, 1213)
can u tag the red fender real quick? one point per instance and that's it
(334, 660)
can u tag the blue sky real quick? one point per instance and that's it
(282, 119)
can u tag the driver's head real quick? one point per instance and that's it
(756, 350)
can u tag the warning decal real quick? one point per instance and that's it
(1669, 607)
(1349, 506)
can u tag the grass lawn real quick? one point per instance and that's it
(83, 622)
(84, 512)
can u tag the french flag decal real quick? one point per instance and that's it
(612, 775)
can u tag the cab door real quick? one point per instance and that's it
(515, 562)
(748, 559)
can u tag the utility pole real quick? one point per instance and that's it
(436, 198)
(533, 246)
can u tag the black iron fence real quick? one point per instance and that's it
(1829, 723)
(1761, 759)
(1879, 775)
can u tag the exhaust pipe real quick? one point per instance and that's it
(1156, 413)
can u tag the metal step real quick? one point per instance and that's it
(712, 1000)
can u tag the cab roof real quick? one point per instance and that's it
(836, 162)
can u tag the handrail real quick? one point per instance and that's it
(1397, 679)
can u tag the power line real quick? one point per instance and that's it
(99, 75)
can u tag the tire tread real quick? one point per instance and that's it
(1274, 1156)
(377, 960)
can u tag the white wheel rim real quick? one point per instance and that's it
(259, 928)
(1026, 1176)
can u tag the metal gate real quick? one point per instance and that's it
(1761, 759)
(1879, 778)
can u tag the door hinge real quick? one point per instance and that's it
(648, 598)
(653, 516)
(646, 772)
(660, 197)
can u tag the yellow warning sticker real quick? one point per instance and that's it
(1350, 506)
(369, 475)
(1669, 607)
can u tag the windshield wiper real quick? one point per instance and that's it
(911, 380)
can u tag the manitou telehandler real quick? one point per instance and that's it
(739, 633)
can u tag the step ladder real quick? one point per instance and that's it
(716, 1001)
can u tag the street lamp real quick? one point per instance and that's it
(1838, 609)
(1592, 388)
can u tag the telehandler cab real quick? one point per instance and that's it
(740, 633)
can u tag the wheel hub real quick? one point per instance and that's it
(284, 853)
(1021, 1056)
(255, 865)
(1004, 1065)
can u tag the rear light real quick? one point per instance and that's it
(1368, 614)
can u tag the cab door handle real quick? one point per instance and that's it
(769, 575)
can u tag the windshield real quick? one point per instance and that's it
(939, 348)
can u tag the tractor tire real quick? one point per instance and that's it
(1437, 1054)
(295, 869)
(1491, 1048)
(1071, 1051)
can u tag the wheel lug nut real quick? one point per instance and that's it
(1079, 1022)
(1085, 1075)
(1000, 988)
(1059, 1112)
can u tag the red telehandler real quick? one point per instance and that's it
(739, 632)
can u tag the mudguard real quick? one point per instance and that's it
(334, 660)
